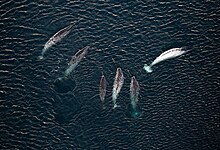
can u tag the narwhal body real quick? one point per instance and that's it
(56, 38)
(172, 53)
(117, 85)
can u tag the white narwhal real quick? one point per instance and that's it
(171, 53)
(56, 38)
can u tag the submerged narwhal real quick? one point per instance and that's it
(102, 88)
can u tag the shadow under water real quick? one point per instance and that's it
(64, 85)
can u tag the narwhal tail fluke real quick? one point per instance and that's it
(41, 57)
(115, 106)
(148, 68)
(42, 54)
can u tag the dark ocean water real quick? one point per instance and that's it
(179, 101)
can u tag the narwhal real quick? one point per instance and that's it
(134, 89)
(102, 88)
(56, 38)
(75, 61)
(134, 92)
(171, 53)
(117, 85)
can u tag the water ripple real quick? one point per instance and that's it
(178, 100)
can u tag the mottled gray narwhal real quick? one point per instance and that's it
(117, 85)
(56, 38)
(75, 60)
(102, 88)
